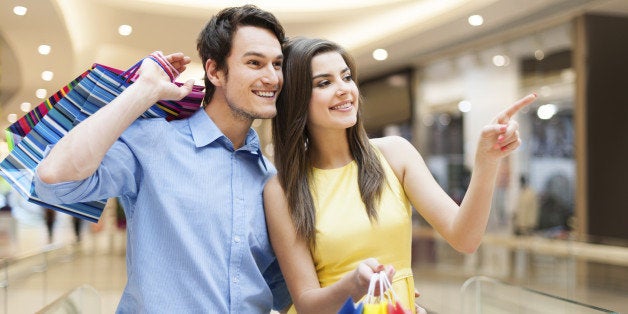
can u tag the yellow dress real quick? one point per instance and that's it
(345, 235)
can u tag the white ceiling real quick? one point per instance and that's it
(82, 32)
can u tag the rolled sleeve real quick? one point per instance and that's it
(115, 176)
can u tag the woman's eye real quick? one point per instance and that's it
(322, 83)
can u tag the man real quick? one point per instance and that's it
(191, 189)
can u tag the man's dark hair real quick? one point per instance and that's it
(215, 40)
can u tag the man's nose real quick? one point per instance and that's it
(271, 75)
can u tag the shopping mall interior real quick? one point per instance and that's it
(431, 71)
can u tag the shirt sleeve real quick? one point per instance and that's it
(115, 176)
(278, 287)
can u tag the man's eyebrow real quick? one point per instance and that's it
(259, 54)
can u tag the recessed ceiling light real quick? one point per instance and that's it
(47, 75)
(125, 30)
(25, 106)
(380, 54)
(546, 111)
(20, 10)
(464, 106)
(41, 93)
(476, 20)
(44, 49)
(501, 60)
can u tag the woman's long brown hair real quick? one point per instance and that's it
(290, 135)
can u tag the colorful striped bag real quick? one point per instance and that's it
(52, 119)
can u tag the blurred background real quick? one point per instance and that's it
(432, 71)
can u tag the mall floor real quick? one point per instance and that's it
(98, 261)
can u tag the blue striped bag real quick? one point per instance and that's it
(52, 119)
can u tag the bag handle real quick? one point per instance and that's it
(389, 288)
(370, 293)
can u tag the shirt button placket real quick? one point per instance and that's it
(236, 229)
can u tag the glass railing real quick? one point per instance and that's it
(83, 299)
(29, 272)
(590, 271)
(485, 295)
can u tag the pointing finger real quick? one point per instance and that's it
(505, 115)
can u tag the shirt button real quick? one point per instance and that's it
(235, 279)
(236, 239)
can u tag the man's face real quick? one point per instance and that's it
(254, 77)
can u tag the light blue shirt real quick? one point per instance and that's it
(196, 232)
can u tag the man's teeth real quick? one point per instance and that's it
(343, 106)
(265, 94)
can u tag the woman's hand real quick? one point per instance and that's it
(363, 273)
(501, 136)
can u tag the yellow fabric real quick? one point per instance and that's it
(345, 235)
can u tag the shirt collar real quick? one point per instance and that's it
(204, 132)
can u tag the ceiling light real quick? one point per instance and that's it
(41, 93)
(475, 20)
(380, 54)
(539, 54)
(125, 30)
(546, 112)
(47, 75)
(11, 117)
(43, 49)
(20, 10)
(501, 60)
(25, 106)
(464, 106)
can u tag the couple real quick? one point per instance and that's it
(207, 213)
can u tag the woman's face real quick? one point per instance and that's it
(334, 102)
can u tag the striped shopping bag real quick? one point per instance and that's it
(52, 119)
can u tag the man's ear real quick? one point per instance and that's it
(213, 74)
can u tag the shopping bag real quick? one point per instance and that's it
(386, 302)
(168, 109)
(48, 122)
(350, 308)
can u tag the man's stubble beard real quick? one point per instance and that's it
(243, 115)
(240, 114)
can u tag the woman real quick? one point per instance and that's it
(340, 206)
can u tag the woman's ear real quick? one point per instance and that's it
(213, 74)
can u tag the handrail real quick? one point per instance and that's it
(29, 254)
(601, 253)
